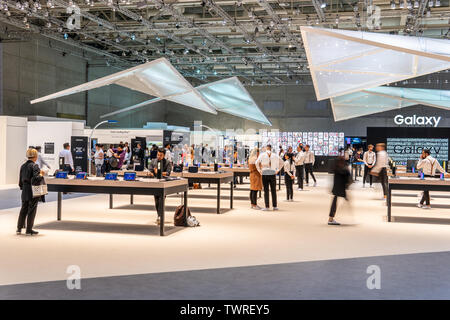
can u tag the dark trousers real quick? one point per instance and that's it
(28, 213)
(309, 171)
(289, 186)
(68, 168)
(253, 197)
(384, 180)
(333, 207)
(425, 198)
(270, 180)
(366, 173)
(157, 204)
(299, 174)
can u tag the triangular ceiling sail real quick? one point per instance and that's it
(382, 99)
(228, 95)
(343, 61)
(157, 78)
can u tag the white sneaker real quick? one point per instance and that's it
(275, 208)
(292, 200)
(333, 223)
(419, 205)
(287, 200)
(256, 208)
(364, 185)
(307, 184)
(426, 207)
(265, 209)
(371, 186)
(315, 184)
(299, 189)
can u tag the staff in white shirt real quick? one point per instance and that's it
(98, 159)
(299, 166)
(289, 177)
(269, 164)
(68, 160)
(429, 165)
(380, 167)
(369, 159)
(309, 163)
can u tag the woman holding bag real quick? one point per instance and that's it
(30, 174)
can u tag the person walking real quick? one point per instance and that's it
(380, 167)
(342, 179)
(299, 166)
(269, 164)
(99, 158)
(428, 165)
(160, 167)
(255, 179)
(30, 174)
(369, 160)
(309, 163)
(289, 177)
(68, 159)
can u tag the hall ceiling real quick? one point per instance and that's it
(257, 40)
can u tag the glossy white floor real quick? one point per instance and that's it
(104, 242)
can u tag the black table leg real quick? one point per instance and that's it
(218, 197)
(185, 208)
(131, 199)
(231, 195)
(59, 206)
(279, 181)
(110, 201)
(161, 211)
(259, 194)
(389, 204)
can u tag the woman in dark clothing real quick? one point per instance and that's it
(342, 179)
(30, 174)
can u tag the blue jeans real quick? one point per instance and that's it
(98, 170)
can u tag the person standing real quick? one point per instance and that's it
(68, 160)
(380, 167)
(309, 163)
(299, 166)
(269, 164)
(120, 154)
(428, 165)
(140, 156)
(168, 155)
(289, 177)
(341, 181)
(255, 179)
(40, 161)
(30, 174)
(369, 160)
(164, 166)
(99, 158)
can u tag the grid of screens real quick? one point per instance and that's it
(322, 143)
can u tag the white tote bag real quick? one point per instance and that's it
(39, 190)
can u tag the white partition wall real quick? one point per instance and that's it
(13, 143)
(51, 135)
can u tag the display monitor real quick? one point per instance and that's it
(61, 174)
(111, 176)
(129, 176)
(81, 176)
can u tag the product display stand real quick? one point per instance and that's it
(151, 187)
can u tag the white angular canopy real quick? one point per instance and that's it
(157, 78)
(382, 99)
(343, 61)
(227, 95)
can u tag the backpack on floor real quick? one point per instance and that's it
(179, 221)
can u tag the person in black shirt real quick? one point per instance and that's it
(342, 179)
(30, 174)
(160, 166)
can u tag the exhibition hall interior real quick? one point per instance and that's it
(224, 150)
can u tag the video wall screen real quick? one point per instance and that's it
(322, 143)
(405, 144)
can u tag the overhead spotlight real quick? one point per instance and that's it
(401, 4)
(48, 25)
(158, 39)
(430, 3)
(224, 22)
(197, 71)
(250, 14)
(186, 51)
(416, 4)
(438, 3)
(337, 19)
(123, 54)
(393, 4)
(133, 37)
(215, 72)
(323, 5)
(66, 36)
(25, 20)
(144, 52)
(428, 14)
(118, 39)
(408, 4)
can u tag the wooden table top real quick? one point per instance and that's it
(147, 183)
(202, 174)
(426, 181)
